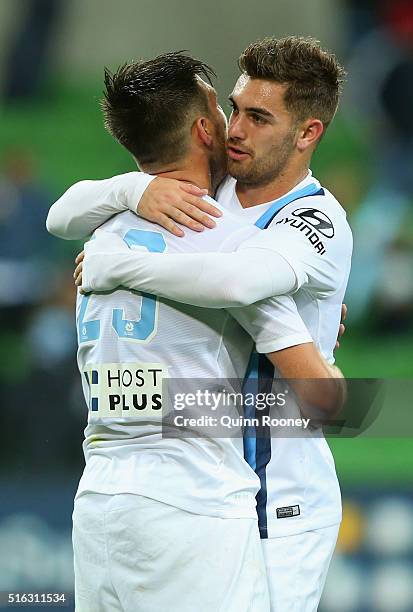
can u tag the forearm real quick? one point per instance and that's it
(338, 393)
(211, 280)
(88, 204)
(320, 399)
(324, 397)
(320, 387)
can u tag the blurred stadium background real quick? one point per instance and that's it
(52, 57)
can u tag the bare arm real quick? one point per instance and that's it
(320, 387)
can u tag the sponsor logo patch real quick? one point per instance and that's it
(317, 219)
(288, 511)
(127, 390)
(312, 223)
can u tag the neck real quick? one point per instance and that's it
(189, 170)
(252, 195)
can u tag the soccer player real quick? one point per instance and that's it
(285, 98)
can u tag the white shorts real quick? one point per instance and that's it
(297, 567)
(135, 554)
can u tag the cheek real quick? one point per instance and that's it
(263, 143)
(275, 141)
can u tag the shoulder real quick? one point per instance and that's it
(120, 222)
(320, 215)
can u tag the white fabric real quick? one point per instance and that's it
(203, 476)
(319, 304)
(257, 271)
(88, 204)
(297, 567)
(322, 277)
(135, 554)
(264, 266)
(301, 470)
(210, 280)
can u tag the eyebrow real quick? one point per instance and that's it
(253, 109)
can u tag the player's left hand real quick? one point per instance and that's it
(342, 327)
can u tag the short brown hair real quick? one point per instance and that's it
(149, 105)
(313, 76)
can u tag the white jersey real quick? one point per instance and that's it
(299, 486)
(129, 342)
(308, 228)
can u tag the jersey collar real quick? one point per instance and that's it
(228, 198)
(274, 207)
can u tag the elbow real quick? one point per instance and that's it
(52, 224)
(61, 220)
(66, 229)
(241, 295)
(224, 293)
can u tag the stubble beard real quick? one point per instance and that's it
(218, 164)
(263, 171)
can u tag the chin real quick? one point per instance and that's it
(237, 171)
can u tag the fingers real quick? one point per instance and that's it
(341, 330)
(197, 201)
(180, 217)
(185, 214)
(168, 202)
(343, 312)
(193, 189)
(80, 257)
(168, 224)
(77, 275)
(207, 207)
(191, 216)
(191, 209)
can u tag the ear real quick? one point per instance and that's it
(309, 133)
(204, 132)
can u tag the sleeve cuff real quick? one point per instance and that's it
(271, 346)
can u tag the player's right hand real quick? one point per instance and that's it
(168, 201)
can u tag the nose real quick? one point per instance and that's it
(236, 128)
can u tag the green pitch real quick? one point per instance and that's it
(368, 460)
